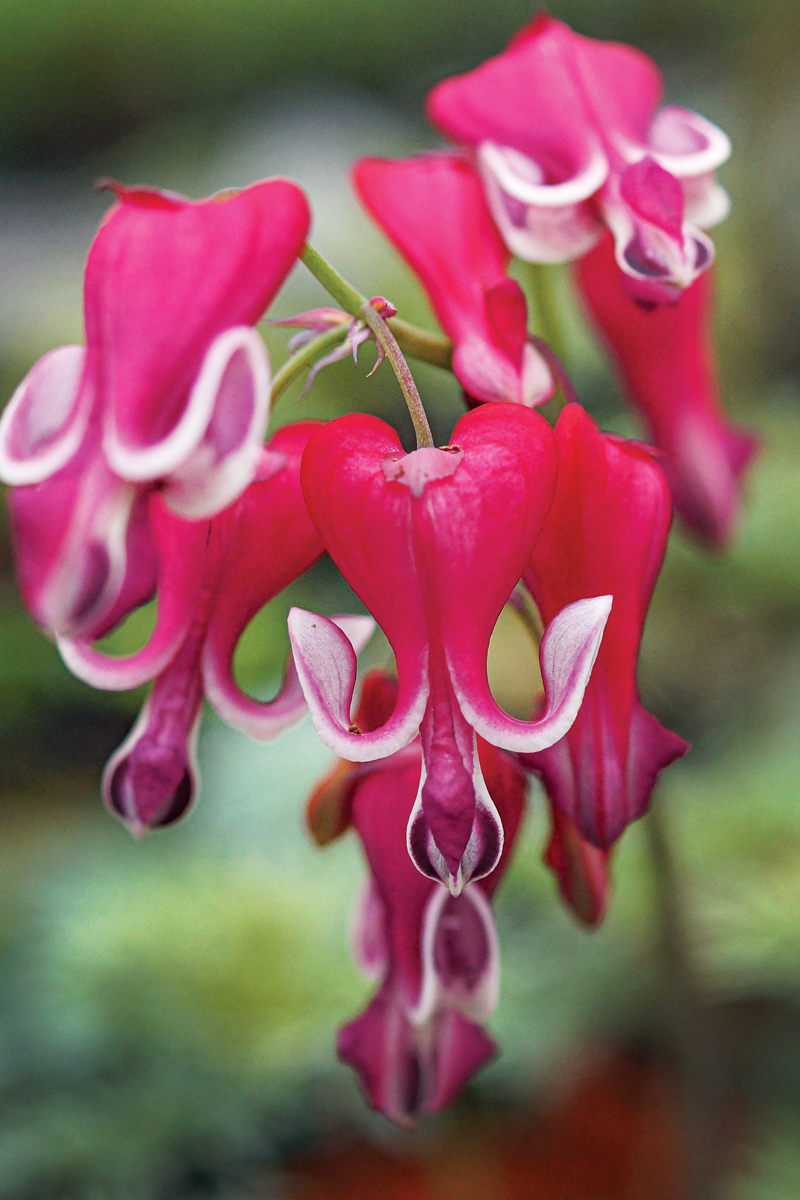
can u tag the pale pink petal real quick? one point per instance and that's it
(460, 957)
(235, 381)
(370, 944)
(541, 221)
(44, 421)
(567, 654)
(326, 664)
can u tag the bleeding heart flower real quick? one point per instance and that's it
(434, 210)
(607, 530)
(667, 364)
(434, 542)
(172, 387)
(434, 955)
(213, 577)
(568, 137)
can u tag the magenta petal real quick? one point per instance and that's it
(608, 527)
(589, 782)
(667, 364)
(408, 1072)
(70, 537)
(460, 956)
(44, 421)
(181, 548)
(433, 209)
(151, 780)
(165, 276)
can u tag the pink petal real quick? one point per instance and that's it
(581, 870)
(607, 528)
(71, 537)
(370, 947)
(165, 276)
(267, 540)
(181, 549)
(43, 423)
(433, 209)
(666, 361)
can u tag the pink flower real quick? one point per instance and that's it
(433, 209)
(434, 955)
(434, 542)
(172, 388)
(606, 531)
(667, 365)
(568, 136)
(213, 577)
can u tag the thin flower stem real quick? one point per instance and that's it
(385, 337)
(358, 306)
(548, 319)
(343, 292)
(305, 358)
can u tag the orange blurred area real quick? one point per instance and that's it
(616, 1136)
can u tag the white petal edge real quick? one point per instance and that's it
(166, 456)
(59, 373)
(479, 1005)
(206, 482)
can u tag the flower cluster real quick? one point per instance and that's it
(138, 468)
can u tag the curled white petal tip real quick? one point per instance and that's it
(43, 423)
(217, 441)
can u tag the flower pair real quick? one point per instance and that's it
(434, 955)
(562, 138)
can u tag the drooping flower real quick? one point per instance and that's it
(172, 388)
(213, 577)
(434, 956)
(434, 210)
(434, 542)
(568, 136)
(607, 530)
(666, 360)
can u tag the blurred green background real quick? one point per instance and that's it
(168, 1009)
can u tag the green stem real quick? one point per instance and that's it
(343, 292)
(305, 358)
(358, 306)
(548, 317)
(432, 348)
